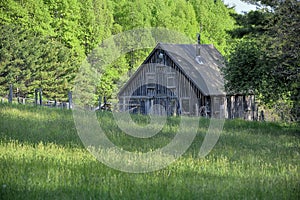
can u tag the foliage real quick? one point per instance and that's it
(95, 22)
(214, 19)
(243, 72)
(85, 85)
(34, 61)
(274, 61)
(43, 157)
(31, 14)
(74, 28)
(253, 23)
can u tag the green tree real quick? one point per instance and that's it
(214, 19)
(85, 85)
(109, 66)
(254, 24)
(31, 14)
(45, 40)
(96, 21)
(275, 32)
(30, 61)
(65, 16)
(176, 15)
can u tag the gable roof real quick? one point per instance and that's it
(203, 71)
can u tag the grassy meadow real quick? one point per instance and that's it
(42, 157)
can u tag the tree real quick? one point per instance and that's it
(95, 22)
(275, 34)
(253, 24)
(30, 60)
(45, 40)
(242, 73)
(214, 19)
(31, 14)
(85, 85)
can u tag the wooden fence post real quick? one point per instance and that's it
(70, 99)
(36, 97)
(104, 100)
(99, 102)
(10, 95)
(41, 96)
(262, 116)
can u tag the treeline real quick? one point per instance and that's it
(265, 57)
(43, 42)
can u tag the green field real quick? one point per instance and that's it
(42, 157)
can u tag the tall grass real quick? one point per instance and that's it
(42, 157)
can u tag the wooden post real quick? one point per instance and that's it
(262, 115)
(99, 102)
(36, 96)
(256, 112)
(104, 102)
(70, 100)
(253, 107)
(10, 95)
(41, 96)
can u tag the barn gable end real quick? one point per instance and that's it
(181, 79)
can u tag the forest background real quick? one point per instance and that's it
(44, 43)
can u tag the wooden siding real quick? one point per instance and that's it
(160, 81)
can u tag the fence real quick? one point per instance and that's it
(38, 99)
(30, 101)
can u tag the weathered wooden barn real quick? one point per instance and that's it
(183, 79)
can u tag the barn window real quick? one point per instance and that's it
(150, 78)
(185, 105)
(171, 81)
(161, 57)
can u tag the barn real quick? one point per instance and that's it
(183, 79)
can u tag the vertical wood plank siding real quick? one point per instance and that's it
(138, 97)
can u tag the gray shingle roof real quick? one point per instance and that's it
(203, 70)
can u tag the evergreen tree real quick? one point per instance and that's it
(30, 61)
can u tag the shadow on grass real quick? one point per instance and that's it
(186, 185)
(257, 127)
(33, 125)
(37, 124)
